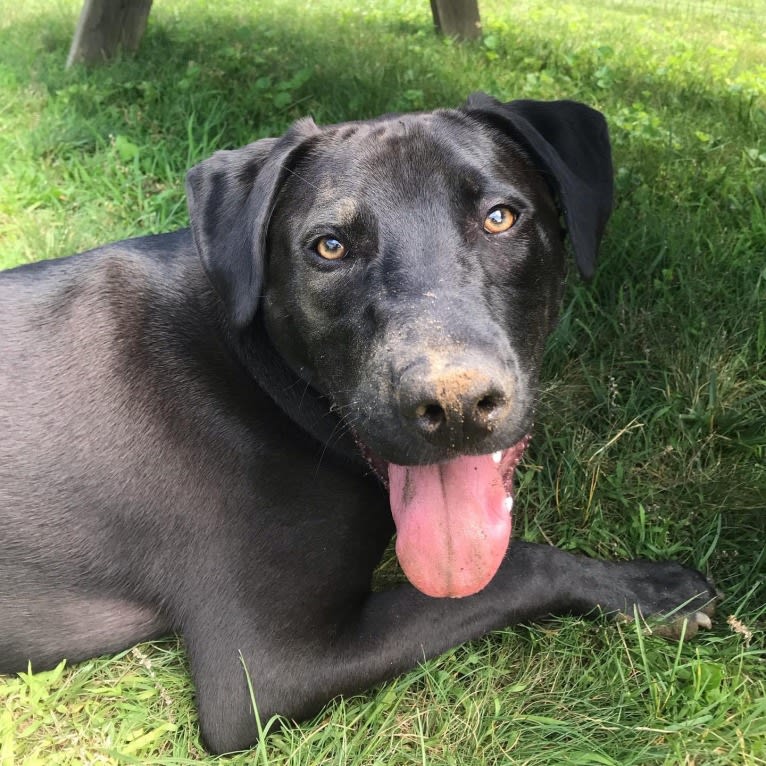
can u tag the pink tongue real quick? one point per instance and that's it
(451, 524)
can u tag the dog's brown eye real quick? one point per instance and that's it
(330, 249)
(499, 219)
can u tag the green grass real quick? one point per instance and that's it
(652, 432)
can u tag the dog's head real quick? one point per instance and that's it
(409, 269)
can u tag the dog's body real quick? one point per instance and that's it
(197, 428)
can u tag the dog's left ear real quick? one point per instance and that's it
(570, 143)
(231, 196)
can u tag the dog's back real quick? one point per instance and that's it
(74, 404)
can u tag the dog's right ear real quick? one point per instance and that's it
(231, 196)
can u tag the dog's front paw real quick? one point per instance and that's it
(674, 600)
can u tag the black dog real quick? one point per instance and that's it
(216, 431)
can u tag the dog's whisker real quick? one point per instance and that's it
(340, 430)
(299, 176)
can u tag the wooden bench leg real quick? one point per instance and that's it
(107, 26)
(457, 18)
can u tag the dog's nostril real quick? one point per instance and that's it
(456, 408)
(430, 416)
(488, 404)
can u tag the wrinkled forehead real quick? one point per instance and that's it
(389, 138)
(405, 156)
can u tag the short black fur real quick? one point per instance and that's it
(194, 426)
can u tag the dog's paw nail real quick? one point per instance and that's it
(703, 620)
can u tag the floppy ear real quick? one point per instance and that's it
(230, 198)
(570, 143)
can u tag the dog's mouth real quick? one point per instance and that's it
(453, 519)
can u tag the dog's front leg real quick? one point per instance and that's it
(294, 673)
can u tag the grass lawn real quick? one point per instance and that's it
(651, 440)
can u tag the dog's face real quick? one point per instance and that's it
(414, 266)
(410, 269)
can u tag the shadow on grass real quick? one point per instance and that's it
(248, 76)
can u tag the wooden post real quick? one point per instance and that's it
(457, 18)
(106, 26)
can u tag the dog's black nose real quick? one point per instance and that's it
(455, 407)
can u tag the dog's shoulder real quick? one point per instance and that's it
(150, 252)
(121, 270)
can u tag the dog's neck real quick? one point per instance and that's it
(302, 403)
